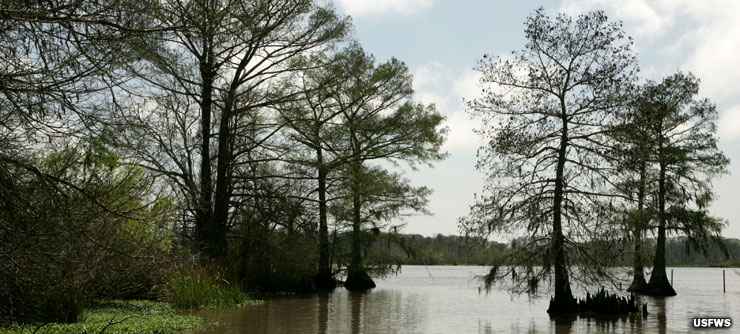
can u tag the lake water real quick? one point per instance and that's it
(446, 299)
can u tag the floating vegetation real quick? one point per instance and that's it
(118, 317)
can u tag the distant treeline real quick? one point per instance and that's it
(678, 253)
(414, 249)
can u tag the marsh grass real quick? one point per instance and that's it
(196, 288)
(118, 317)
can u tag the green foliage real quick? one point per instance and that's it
(76, 229)
(117, 317)
(264, 263)
(198, 287)
(383, 196)
(676, 140)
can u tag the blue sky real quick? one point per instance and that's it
(441, 41)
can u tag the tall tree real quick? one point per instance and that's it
(631, 154)
(355, 111)
(379, 123)
(313, 123)
(683, 141)
(220, 64)
(545, 117)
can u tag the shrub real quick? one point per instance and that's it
(265, 264)
(76, 228)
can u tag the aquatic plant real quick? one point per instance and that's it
(117, 317)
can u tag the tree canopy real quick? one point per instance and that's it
(545, 113)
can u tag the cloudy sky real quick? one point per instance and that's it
(441, 41)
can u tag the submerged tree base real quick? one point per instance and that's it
(638, 285)
(562, 306)
(658, 291)
(359, 281)
(659, 286)
(325, 282)
(600, 304)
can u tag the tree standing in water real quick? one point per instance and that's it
(353, 111)
(631, 152)
(312, 124)
(546, 113)
(379, 122)
(683, 145)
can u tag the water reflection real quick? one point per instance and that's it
(576, 324)
(323, 318)
(356, 300)
(655, 322)
(446, 300)
(564, 324)
(660, 314)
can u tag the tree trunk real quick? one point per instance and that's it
(357, 277)
(223, 171)
(563, 301)
(659, 284)
(356, 263)
(324, 279)
(638, 275)
(204, 213)
(223, 185)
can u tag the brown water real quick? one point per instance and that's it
(446, 299)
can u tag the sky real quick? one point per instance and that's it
(442, 40)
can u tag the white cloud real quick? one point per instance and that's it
(468, 84)
(715, 58)
(647, 16)
(688, 35)
(701, 37)
(430, 76)
(374, 7)
(461, 136)
(729, 124)
(435, 83)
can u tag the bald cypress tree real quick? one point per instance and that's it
(353, 111)
(546, 112)
(378, 122)
(683, 148)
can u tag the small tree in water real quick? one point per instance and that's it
(546, 116)
(373, 119)
(682, 141)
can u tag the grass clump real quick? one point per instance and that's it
(197, 287)
(118, 317)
